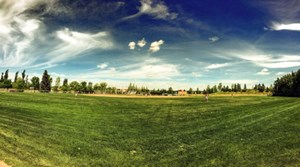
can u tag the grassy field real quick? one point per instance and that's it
(64, 130)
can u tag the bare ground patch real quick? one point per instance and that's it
(2, 164)
(140, 96)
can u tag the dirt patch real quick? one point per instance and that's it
(137, 96)
(2, 164)
(133, 96)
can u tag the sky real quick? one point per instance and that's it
(153, 43)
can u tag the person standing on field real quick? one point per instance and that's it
(206, 97)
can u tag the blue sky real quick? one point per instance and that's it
(155, 43)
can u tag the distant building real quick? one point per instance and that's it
(182, 93)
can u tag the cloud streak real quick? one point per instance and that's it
(157, 9)
(291, 27)
(216, 66)
(264, 71)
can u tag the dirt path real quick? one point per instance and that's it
(133, 96)
(137, 96)
(2, 164)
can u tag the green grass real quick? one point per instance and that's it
(64, 130)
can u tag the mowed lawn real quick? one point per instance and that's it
(64, 130)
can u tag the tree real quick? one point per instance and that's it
(170, 90)
(220, 87)
(7, 84)
(20, 84)
(190, 91)
(75, 86)
(2, 78)
(57, 84)
(65, 86)
(287, 85)
(83, 87)
(208, 89)
(16, 76)
(90, 87)
(35, 83)
(238, 87)
(214, 89)
(23, 75)
(245, 88)
(198, 91)
(26, 82)
(46, 82)
(6, 75)
(103, 86)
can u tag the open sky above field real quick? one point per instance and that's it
(156, 43)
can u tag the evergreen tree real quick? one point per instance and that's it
(6, 75)
(46, 83)
(287, 85)
(190, 91)
(198, 91)
(16, 76)
(23, 75)
(245, 88)
(170, 90)
(2, 78)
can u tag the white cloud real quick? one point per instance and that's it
(216, 66)
(55, 75)
(264, 71)
(214, 39)
(250, 53)
(21, 35)
(131, 45)
(102, 66)
(18, 32)
(74, 43)
(142, 43)
(157, 9)
(279, 64)
(281, 73)
(196, 74)
(291, 26)
(149, 68)
(155, 46)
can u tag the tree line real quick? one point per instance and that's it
(288, 85)
(46, 84)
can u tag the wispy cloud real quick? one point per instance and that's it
(214, 39)
(250, 53)
(216, 66)
(264, 71)
(18, 32)
(102, 66)
(23, 34)
(157, 9)
(291, 26)
(149, 68)
(74, 43)
(281, 73)
(281, 9)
